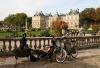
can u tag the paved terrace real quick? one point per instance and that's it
(86, 59)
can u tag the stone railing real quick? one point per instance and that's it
(41, 42)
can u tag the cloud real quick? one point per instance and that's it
(31, 6)
(44, 3)
(35, 3)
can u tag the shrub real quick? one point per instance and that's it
(45, 33)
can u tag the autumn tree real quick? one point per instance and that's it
(98, 15)
(64, 25)
(96, 25)
(90, 17)
(57, 26)
(87, 17)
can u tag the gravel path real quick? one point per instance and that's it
(86, 59)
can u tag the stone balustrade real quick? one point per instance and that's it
(8, 44)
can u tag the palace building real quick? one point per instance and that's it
(41, 20)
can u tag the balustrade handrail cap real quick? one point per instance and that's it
(18, 38)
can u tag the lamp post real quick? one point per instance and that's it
(26, 29)
(63, 31)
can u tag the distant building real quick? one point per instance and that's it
(41, 20)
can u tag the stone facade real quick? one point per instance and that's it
(39, 20)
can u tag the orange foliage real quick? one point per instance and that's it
(63, 25)
(59, 25)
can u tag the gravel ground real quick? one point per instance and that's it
(86, 59)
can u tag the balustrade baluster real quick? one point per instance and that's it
(9, 45)
(4, 46)
(30, 43)
(15, 46)
(20, 41)
(35, 45)
(78, 42)
(87, 41)
(39, 44)
(48, 42)
(97, 40)
(92, 41)
(44, 43)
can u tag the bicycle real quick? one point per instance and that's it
(70, 48)
(55, 53)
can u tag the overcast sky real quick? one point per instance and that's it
(31, 6)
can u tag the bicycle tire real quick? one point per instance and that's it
(74, 53)
(59, 56)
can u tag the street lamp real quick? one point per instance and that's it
(26, 29)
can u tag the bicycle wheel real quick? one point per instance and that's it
(61, 56)
(74, 52)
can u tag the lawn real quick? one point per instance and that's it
(5, 34)
(19, 34)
